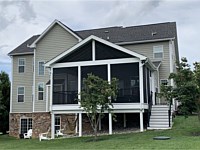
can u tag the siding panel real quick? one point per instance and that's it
(22, 79)
(55, 42)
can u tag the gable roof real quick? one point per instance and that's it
(50, 27)
(117, 35)
(24, 47)
(92, 37)
(133, 33)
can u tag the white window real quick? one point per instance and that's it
(21, 65)
(20, 94)
(40, 91)
(164, 82)
(158, 52)
(26, 124)
(41, 68)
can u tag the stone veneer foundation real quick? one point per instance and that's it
(41, 122)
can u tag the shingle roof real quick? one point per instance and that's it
(133, 33)
(23, 48)
(117, 34)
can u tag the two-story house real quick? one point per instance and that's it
(48, 70)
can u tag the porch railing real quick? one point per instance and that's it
(65, 97)
(128, 95)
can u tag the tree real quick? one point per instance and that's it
(4, 101)
(96, 98)
(186, 90)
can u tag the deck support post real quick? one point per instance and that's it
(124, 120)
(99, 124)
(52, 125)
(141, 121)
(80, 124)
(110, 123)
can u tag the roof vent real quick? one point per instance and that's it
(153, 33)
(108, 37)
(106, 31)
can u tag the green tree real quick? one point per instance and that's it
(4, 101)
(186, 90)
(96, 98)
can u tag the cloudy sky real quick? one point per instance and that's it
(20, 20)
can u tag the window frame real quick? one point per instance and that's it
(57, 116)
(40, 91)
(158, 51)
(164, 80)
(27, 126)
(24, 59)
(39, 68)
(20, 94)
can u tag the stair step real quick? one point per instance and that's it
(158, 123)
(159, 117)
(158, 128)
(160, 120)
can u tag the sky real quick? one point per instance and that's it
(19, 20)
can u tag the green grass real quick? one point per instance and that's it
(181, 138)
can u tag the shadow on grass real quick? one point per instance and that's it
(97, 140)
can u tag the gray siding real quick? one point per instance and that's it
(147, 50)
(53, 43)
(22, 79)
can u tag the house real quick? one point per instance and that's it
(48, 69)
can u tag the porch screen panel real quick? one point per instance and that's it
(128, 84)
(106, 52)
(100, 71)
(65, 85)
(83, 53)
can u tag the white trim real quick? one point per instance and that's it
(40, 91)
(47, 96)
(161, 51)
(34, 74)
(93, 50)
(97, 62)
(20, 94)
(92, 37)
(153, 86)
(25, 53)
(171, 60)
(145, 41)
(79, 83)
(11, 86)
(33, 45)
(141, 83)
(39, 68)
(109, 72)
(24, 59)
(51, 90)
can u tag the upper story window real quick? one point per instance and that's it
(41, 68)
(20, 94)
(164, 82)
(21, 65)
(158, 52)
(40, 91)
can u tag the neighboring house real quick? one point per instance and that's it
(48, 70)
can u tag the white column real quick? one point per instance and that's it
(124, 120)
(141, 122)
(153, 87)
(80, 124)
(110, 123)
(52, 125)
(141, 83)
(99, 123)
(76, 130)
(79, 83)
(109, 73)
(51, 90)
(93, 50)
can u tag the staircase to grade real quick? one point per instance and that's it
(159, 118)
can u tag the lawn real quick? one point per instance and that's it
(184, 135)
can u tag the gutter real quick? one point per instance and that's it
(145, 41)
(15, 54)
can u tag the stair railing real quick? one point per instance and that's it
(169, 112)
(150, 107)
